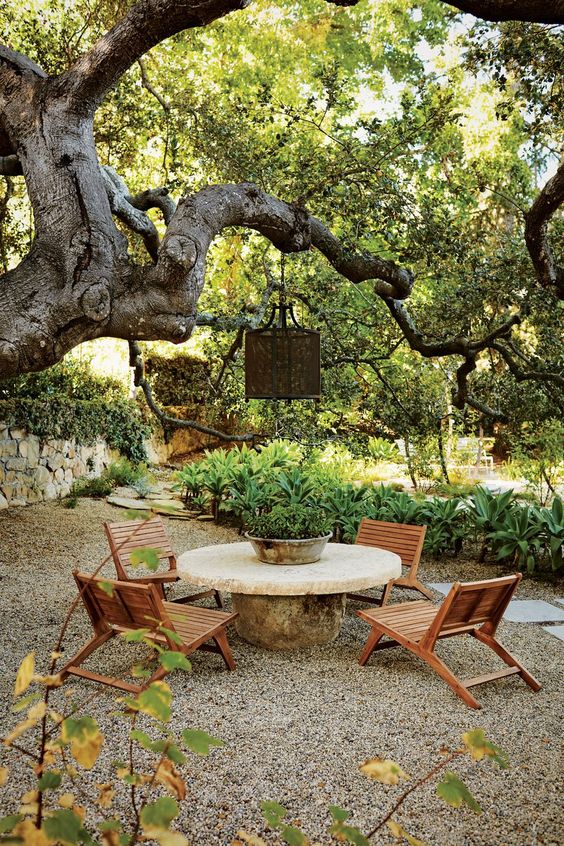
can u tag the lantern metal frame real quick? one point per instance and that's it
(280, 378)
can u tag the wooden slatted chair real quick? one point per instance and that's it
(133, 606)
(406, 541)
(474, 608)
(126, 536)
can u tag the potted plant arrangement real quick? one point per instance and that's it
(289, 534)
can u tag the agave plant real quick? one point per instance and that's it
(401, 508)
(552, 522)
(382, 450)
(519, 538)
(447, 524)
(189, 481)
(345, 506)
(488, 511)
(293, 488)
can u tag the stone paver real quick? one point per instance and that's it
(557, 631)
(520, 610)
(533, 611)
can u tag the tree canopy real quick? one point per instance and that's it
(407, 152)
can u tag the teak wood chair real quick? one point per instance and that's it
(134, 606)
(129, 535)
(406, 541)
(474, 608)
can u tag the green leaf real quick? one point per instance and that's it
(200, 742)
(136, 636)
(156, 700)
(273, 813)
(172, 636)
(107, 587)
(145, 556)
(50, 780)
(293, 836)
(110, 825)
(136, 514)
(159, 814)
(142, 739)
(64, 826)
(455, 793)
(175, 661)
(338, 814)
(8, 823)
(349, 834)
(25, 701)
(138, 671)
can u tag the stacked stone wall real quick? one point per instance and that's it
(33, 471)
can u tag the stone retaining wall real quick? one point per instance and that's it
(33, 471)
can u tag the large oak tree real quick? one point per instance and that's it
(80, 280)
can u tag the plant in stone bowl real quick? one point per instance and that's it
(289, 534)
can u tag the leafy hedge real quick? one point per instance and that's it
(118, 422)
(70, 402)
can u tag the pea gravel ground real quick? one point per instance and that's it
(297, 725)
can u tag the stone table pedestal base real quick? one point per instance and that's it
(288, 622)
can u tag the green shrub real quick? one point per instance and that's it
(95, 488)
(125, 472)
(71, 402)
(381, 449)
(290, 522)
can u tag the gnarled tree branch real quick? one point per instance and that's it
(537, 218)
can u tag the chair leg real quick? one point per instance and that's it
(424, 590)
(507, 657)
(441, 668)
(370, 645)
(86, 650)
(218, 599)
(223, 646)
(386, 592)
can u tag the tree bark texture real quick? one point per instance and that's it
(78, 281)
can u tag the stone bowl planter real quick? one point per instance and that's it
(285, 551)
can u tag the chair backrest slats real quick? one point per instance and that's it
(403, 539)
(129, 606)
(474, 604)
(127, 536)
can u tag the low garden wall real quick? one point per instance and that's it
(32, 470)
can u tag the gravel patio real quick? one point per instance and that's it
(297, 725)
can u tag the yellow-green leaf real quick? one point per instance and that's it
(85, 739)
(174, 661)
(455, 793)
(480, 747)
(158, 815)
(107, 587)
(156, 700)
(383, 770)
(25, 674)
(401, 834)
(145, 556)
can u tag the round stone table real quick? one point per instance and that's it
(288, 606)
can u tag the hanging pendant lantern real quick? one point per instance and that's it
(282, 359)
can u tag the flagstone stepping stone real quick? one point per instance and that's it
(560, 599)
(557, 631)
(441, 587)
(170, 504)
(126, 502)
(533, 611)
(519, 610)
(205, 517)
